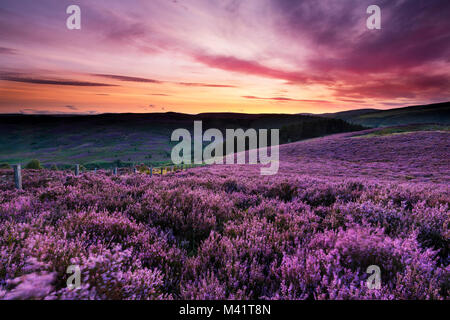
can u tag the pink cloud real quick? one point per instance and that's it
(284, 99)
(233, 64)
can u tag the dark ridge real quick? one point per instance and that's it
(438, 113)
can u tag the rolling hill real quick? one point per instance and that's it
(438, 113)
(124, 139)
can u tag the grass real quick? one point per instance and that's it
(100, 141)
(404, 130)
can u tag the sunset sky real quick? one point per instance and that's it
(193, 56)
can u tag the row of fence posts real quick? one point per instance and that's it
(135, 170)
(18, 172)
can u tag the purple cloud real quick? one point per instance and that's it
(284, 99)
(127, 78)
(7, 50)
(53, 81)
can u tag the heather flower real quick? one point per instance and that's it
(338, 205)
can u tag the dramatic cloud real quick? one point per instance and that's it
(261, 52)
(413, 33)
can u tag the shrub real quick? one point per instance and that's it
(34, 164)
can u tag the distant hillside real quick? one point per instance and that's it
(101, 140)
(438, 113)
(123, 139)
(315, 127)
(348, 115)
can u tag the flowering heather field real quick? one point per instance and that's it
(338, 205)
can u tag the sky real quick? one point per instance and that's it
(194, 56)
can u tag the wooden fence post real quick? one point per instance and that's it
(135, 170)
(151, 171)
(115, 171)
(95, 170)
(18, 176)
(77, 169)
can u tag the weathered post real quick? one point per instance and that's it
(77, 169)
(18, 176)
(151, 171)
(95, 170)
(115, 171)
(134, 170)
(162, 171)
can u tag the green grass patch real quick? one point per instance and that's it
(404, 130)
